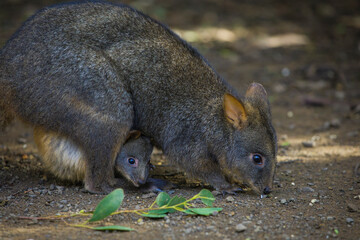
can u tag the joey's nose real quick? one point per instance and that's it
(267, 190)
(141, 182)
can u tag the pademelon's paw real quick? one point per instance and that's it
(230, 191)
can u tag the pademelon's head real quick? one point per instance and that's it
(251, 156)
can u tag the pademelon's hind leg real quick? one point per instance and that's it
(80, 96)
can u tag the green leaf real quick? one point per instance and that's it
(204, 211)
(206, 197)
(285, 144)
(108, 205)
(113, 228)
(176, 200)
(149, 215)
(162, 211)
(188, 211)
(162, 199)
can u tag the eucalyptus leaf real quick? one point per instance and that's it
(108, 205)
(162, 199)
(162, 211)
(204, 211)
(113, 228)
(176, 200)
(206, 197)
(149, 215)
(188, 211)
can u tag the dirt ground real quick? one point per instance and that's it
(305, 53)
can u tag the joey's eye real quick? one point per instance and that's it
(131, 160)
(258, 159)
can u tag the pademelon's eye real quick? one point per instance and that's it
(131, 160)
(258, 159)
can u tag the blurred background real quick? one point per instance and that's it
(252, 40)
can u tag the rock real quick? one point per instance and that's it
(352, 207)
(308, 144)
(335, 123)
(240, 227)
(188, 230)
(64, 201)
(33, 221)
(352, 134)
(333, 136)
(283, 201)
(216, 193)
(148, 195)
(21, 140)
(314, 201)
(307, 190)
(310, 184)
(230, 199)
(326, 126)
(349, 220)
(330, 218)
(285, 72)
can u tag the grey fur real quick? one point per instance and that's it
(93, 70)
(63, 158)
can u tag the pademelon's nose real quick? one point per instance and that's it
(267, 190)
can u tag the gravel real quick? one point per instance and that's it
(307, 190)
(240, 227)
(349, 220)
(309, 144)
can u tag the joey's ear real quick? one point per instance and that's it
(133, 134)
(257, 91)
(234, 111)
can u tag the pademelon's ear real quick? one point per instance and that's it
(234, 111)
(133, 134)
(257, 91)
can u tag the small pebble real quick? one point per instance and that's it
(188, 230)
(330, 218)
(240, 227)
(307, 190)
(352, 207)
(349, 220)
(314, 200)
(21, 140)
(230, 199)
(333, 136)
(148, 195)
(308, 144)
(216, 193)
(352, 134)
(335, 123)
(283, 201)
(285, 72)
(310, 184)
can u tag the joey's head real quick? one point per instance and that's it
(133, 161)
(251, 154)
